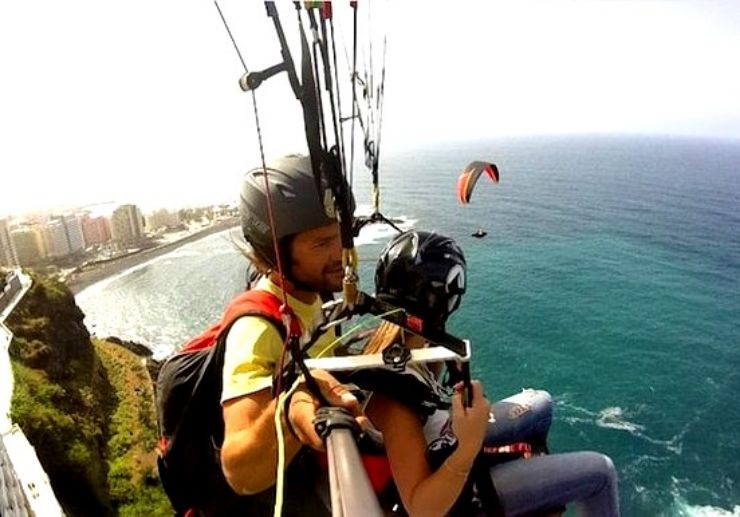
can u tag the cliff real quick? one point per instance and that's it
(86, 405)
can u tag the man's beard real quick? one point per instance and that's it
(328, 276)
(325, 282)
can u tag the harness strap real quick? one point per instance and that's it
(250, 303)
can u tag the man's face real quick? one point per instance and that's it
(316, 258)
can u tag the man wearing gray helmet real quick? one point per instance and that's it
(304, 231)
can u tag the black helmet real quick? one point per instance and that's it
(296, 205)
(424, 273)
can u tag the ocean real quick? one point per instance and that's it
(610, 276)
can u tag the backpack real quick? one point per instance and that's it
(189, 414)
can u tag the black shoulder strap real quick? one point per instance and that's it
(211, 373)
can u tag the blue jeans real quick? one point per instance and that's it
(588, 480)
(524, 417)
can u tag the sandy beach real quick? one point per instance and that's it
(93, 274)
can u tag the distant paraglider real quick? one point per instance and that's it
(469, 177)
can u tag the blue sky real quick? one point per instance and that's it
(138, 101)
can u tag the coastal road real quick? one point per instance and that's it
(16, 287)
(6, 380)
(21, 469)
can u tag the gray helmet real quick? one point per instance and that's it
(296, 205)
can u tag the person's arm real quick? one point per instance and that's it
(422, 491)
(249, 451)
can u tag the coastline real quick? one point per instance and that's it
(84, 279)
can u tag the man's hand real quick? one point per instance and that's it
(303, 407)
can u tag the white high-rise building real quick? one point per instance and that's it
(8, 255)
(73, 229)
(63, 236)
(55, 239)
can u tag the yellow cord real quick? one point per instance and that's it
(280, 477)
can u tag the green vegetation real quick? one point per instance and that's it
(67, 428)
(87, 407)
(133, 484)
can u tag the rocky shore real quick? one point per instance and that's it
(97, 272)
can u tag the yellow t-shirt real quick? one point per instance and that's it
(254, 345)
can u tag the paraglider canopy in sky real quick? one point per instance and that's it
(469, 178)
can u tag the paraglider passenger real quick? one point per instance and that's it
(433, 465)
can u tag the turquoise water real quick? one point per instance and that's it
(610, 276)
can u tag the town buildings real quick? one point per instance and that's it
(8, 254)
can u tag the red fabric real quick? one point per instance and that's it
(259, 303)
(523, 448)
(162, 445)
(376, 465)
(378, 470)
(326, 11)
(415, 324)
